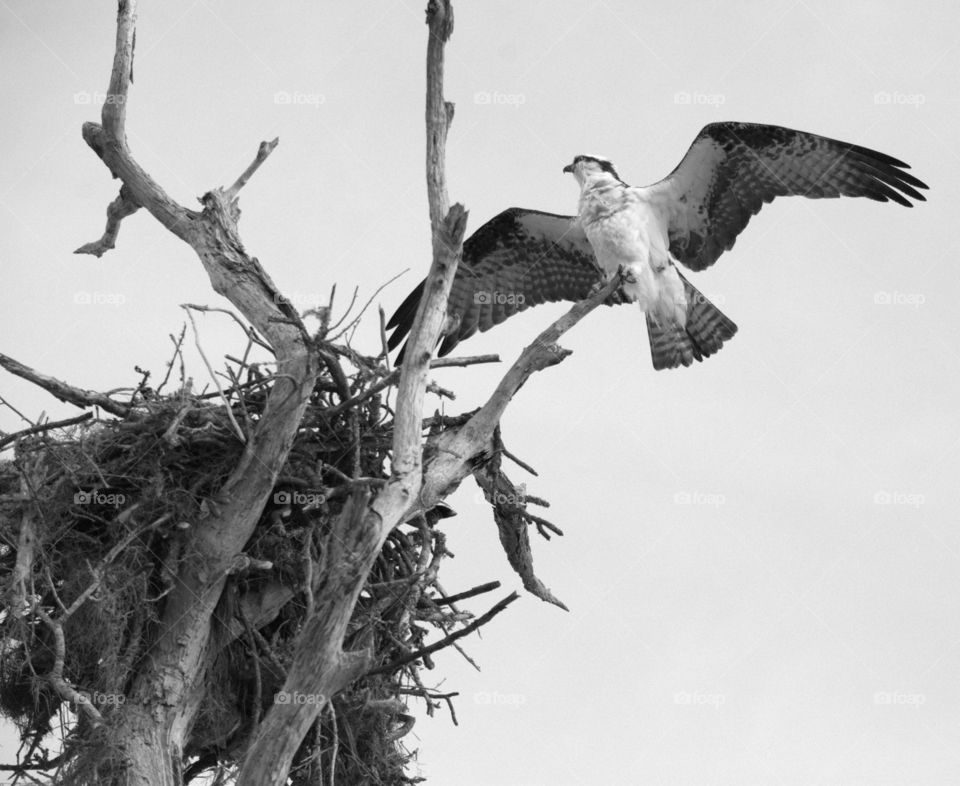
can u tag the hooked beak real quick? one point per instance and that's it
(568, 168)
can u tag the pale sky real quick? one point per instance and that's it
(762, 557)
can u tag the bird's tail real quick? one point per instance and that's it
(707, 328)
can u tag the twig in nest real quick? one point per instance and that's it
(170, 435)
(41, 427)
(249, 330)
(213, 376)
(383, 337)
(479, 590)
(17, 412)
(433, 387)
(63, 391)
(393, 377)
(336, 743)
(353, 299)
(307, 559)
(446, 641)
(257, 676)
(177, 351)
(356, 319)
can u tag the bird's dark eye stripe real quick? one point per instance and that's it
(606, 166)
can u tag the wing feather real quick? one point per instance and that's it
(732, 169)
(518, 259)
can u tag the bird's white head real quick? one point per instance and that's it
(591, 169)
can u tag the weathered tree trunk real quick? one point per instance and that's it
(150, 731)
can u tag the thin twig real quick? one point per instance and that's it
(384, 348)
(446, 641)
(356, 319)
(519, 462)
(263, 152)
(41, 427)
(336, 744)
(392, 377)
(213, 376)
(249, 330)
(478, 590)
(177, 351)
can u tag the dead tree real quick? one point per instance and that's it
(189, 578)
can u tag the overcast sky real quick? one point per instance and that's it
(762, 557)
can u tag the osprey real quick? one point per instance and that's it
(522, 258)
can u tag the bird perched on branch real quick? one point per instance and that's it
(522, 258)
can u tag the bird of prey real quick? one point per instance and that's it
(522, 258)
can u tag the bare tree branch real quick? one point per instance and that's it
(41, 427)
(121, 207)
(320, 668)
(263, 153)
(456, 448)
(64, 391)
(166, 694)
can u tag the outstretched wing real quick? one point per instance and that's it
(518, 259)
(732, 169)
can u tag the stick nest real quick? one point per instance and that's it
(111, 504)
